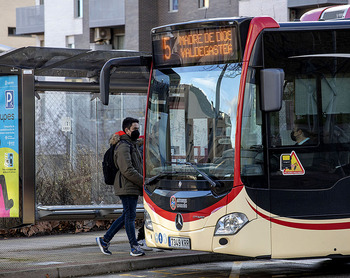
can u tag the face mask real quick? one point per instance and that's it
(135, 135)
(292, 136)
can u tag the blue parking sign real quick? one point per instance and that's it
(9, 103)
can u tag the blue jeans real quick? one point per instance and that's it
(127, 218)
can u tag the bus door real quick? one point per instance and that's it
(308, 142)
(253, 165)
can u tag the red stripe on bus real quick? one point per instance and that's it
(256, 26)
(193, 216)
(305, 226)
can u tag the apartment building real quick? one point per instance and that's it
(110, 24)
(126, 24)
(9, 38)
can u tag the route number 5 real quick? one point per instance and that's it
(166, 48)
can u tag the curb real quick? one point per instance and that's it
(122, 266)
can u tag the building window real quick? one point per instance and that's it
(12, 31)
(173, 5)
(203, 3)
(41, 2)
(70, 42)
(78, 6)
(118, 41)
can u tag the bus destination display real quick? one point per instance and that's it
(196, 46)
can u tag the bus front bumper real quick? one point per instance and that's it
(160, 237)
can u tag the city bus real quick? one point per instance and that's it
(247, 137)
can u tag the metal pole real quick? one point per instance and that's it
(135, 86)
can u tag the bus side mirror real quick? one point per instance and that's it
(105, 74)
(271, 89)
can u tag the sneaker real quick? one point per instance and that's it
(143, 245)
(136, 251)
(103, 246)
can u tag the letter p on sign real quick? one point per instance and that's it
(9, 100)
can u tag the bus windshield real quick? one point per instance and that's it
(191, 122)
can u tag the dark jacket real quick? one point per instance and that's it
(129, 177)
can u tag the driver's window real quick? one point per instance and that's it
(252, 155)
(309, 136)
(296, 123)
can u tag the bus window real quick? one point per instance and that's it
(335, 108)
(252, 159)
(192, 112)
(298, 113)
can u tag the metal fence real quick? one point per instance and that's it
(72, 133)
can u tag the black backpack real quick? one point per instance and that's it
(108, 166)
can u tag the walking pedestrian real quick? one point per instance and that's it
(128, 186)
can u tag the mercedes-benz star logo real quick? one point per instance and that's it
(179, 221)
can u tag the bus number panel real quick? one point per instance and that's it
(194, 47)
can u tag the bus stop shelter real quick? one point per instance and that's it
(54, 131)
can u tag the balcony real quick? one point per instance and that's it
(30, 20)
(111, 13)
(314, 3)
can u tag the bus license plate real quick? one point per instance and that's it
(179, 242)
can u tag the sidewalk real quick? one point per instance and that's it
(74, 255)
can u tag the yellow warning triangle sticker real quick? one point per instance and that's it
(291, 165)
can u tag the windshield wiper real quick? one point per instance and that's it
(159, 176)
(204, 175)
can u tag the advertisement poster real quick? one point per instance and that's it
(9, 137)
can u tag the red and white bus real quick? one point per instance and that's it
(247, 147)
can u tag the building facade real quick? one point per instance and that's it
(8, 35)
(111, 24)
(121, 24)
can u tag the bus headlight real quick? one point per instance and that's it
(148, 221)
(230, 224)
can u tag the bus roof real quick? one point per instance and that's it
(327, 13)
(200, 23)
(313, 25)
